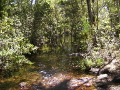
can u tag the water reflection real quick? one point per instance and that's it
(48, 72)
(52, 70)
(56, 70)
(59, 61)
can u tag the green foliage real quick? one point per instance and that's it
(94, 62)
(13, 44)
(89, 62)
(23, 25)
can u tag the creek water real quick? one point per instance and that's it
(56, 70)
(52, 70)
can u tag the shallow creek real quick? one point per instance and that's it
(49, 72)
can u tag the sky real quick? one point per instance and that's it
(30, 0)
(33, 2)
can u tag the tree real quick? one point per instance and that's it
(13, 44)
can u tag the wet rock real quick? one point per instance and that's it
(51, 81)
(112, 68)
(109, 75)
(94, 70)
(113, 87)
(102, 81)
(102, 76)
(88, 84)
(23, 85)
(74, 83)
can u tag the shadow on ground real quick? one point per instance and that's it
(61, 86)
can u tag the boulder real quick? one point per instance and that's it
(94, 70)
(102, 80)
(109, 75)
(113, 87)
(74, 83)
(23, 85)
(112, 68)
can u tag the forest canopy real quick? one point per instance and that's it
(27, 25)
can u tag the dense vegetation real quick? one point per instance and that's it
(25, 27)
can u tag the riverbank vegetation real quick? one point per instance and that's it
(28, 27)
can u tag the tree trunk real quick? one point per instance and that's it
(90, 14)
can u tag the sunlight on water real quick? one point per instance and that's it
(52, 70)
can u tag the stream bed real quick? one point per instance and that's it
(53, 69)
(50, 72)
